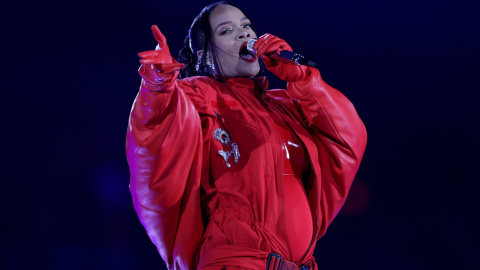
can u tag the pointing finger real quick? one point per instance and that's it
(159, 37)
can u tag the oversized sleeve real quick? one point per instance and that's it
(340, 137)
(164, 146)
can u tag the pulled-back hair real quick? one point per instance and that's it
(199, 38)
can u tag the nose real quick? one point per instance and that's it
(243, 35)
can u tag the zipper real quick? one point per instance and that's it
(313, 171)
(219, 116)
(222, 121)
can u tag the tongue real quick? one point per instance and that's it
(246, 56)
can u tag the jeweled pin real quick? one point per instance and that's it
(235, 152)
(218, 135)
(225, 155)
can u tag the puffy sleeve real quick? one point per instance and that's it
(164, 146)
(340, 137)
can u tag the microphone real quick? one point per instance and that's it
(283, 56)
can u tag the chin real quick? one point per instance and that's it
(252, 71)
(249, 70)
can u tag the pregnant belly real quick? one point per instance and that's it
(299, 217)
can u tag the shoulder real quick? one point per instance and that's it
(278, 94)
(281, 95)
(199, 81)
(199, 87)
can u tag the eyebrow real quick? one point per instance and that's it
(227, 22)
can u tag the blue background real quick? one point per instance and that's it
(411, 68)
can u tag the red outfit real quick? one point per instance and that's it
(296, 166)
(180, 172)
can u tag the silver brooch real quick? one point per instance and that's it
(219, 134)
(225, 155)
(235, 152)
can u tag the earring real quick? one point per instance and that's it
(197, 66)
(210, 64)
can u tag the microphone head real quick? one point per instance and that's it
(250, 44)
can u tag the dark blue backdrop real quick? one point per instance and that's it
(411, 68)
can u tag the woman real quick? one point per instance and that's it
(225, 174)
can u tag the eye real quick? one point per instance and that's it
(228, 30)
(248, 25)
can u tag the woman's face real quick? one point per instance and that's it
(231, 31)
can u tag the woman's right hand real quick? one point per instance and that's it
(161, 55)
(268, 44)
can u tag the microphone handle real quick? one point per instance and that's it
(282, 56)
(291, 58)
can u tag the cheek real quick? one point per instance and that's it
(224, 47)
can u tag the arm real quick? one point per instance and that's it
(339, 135)
(337, 130)
(329, 111)
(163, 147)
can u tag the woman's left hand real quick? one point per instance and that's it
(269, 44)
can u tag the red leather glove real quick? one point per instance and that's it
(160, 57)
(266, 46)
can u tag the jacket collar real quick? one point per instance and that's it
(244, 83)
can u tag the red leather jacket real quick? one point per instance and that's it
(179, 181)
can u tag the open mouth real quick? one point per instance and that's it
(245, 54)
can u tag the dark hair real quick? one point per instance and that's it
(199, 38)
